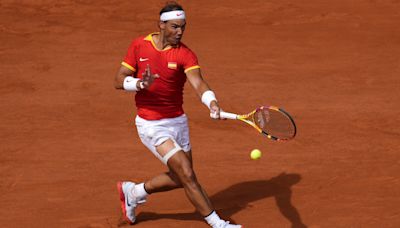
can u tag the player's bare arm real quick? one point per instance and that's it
(200, 86)
(123, 72)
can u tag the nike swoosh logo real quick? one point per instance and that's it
(179, 14)
(127, 201)
(143, 59)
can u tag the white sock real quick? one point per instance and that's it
(140, 192)
(213, 219)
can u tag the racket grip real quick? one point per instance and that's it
(228, 115)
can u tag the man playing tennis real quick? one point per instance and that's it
(156, 68)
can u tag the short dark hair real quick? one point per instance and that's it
(171, 6)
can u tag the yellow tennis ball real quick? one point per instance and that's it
(255, 154)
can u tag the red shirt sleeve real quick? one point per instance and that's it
(190, 61)
(130, 57)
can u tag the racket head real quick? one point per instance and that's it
(273, 122)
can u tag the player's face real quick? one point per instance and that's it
(173, 30)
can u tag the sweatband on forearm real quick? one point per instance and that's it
(207, 97)
(130, 83)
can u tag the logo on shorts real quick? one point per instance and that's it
(179, 14)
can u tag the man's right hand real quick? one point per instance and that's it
(215, 111)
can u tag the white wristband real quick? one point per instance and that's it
(130, 83)
(207, 97)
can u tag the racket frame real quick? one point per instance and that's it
(249, 119)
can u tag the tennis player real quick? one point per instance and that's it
(156, 67)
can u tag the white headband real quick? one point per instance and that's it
(172, 15)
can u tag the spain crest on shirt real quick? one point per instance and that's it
(172, 65)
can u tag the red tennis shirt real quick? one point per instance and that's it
(164, 98)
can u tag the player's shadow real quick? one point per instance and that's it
(240, 196)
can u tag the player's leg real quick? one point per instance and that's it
(165, 181)
(181, 175)
(169, 181)
(169, 142)
(132, 194)
(181, 167)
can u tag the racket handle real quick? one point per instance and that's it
(228, 115)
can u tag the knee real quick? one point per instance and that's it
(181, 166)
(187, 176)
(177, 183)
(188, 173)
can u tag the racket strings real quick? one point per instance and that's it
(275, 123)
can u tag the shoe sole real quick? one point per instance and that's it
(122, 199)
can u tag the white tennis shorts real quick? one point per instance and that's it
(153, 133)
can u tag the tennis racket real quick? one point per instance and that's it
(271, 121)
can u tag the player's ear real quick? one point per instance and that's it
(161, 25)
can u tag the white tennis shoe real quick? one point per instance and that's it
(226, 224)
(129, 201)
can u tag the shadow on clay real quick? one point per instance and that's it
(240, 196)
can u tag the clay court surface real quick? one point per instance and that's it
(67, 136)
